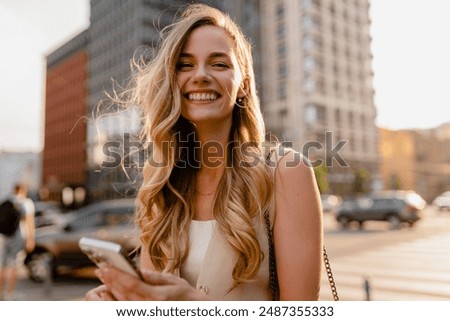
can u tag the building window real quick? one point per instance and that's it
(310, 85)
(351, 121)
(335, 50)
(311, 23)
(364, 144)
(312, 43)
(347, 48)
(308, 43)
(349, 71)
(282, 70)
(306, 4)
(282, 92)
(320, 85)
(315, 114)
(350, 91)
(337, 88)
(337, 116)
(332, 9)
(280, 10)
(357, 20)
(351, 142)
(317, 3)
(280, 30)
(283, 117)
(281, 50)
(308, 63)
(311, 64)
(345, 14)
(310, 114)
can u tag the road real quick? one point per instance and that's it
(405, 264)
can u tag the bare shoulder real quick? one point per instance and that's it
(295, 186)
(293, 166)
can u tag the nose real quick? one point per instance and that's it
(202, 74)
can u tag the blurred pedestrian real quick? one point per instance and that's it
(11, 246)
(208, 189)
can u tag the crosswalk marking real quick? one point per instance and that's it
(413, 270)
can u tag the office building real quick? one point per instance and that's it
(64, 154)
(317, 78)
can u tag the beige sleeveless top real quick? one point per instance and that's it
(199, 236)
(210, 266)
(211, 270)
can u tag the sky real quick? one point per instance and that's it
(409, 44)
(29, 30)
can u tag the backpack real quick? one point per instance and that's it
(9, 218)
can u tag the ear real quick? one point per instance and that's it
(243, 89)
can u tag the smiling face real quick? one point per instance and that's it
(209, 77)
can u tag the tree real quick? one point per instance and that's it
(359, 184)
(322, 178)
(396, 183)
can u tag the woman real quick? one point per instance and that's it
(202, 212)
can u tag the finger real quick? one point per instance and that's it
(99, 274)
(95, 294)
(157, 278)
(107, 296)
(124, 286)
(92, 296)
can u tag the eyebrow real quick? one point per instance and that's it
(216, 54)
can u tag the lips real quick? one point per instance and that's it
(202, 96)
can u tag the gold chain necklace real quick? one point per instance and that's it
(205, 194)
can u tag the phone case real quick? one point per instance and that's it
(107, 253)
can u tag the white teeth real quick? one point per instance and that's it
(202, 96)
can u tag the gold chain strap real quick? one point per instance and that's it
(273, 278)
(330, 275)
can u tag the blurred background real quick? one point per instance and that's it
(364, 81)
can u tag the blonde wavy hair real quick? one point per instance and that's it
(166, 195)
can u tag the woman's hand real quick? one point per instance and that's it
(155, 287)
(100, 293)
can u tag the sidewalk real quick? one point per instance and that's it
(62, 289)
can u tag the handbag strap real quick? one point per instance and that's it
(273, 277)
(330, 275)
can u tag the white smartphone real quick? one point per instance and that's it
(108, 253)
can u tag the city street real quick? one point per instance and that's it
(404, 264)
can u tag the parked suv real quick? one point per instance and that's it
(57, 249)
(394, 207)
(442, 202)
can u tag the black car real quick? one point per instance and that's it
(57, 249)
(394, 207)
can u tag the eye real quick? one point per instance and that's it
(184, 65)
(220, 65)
